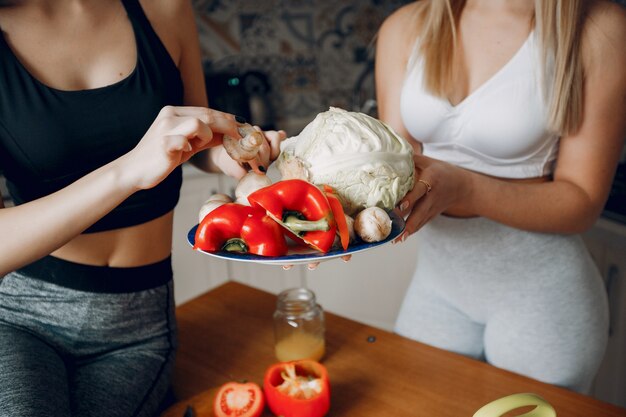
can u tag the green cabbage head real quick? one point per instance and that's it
(362, 158)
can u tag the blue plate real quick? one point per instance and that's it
(301, 255)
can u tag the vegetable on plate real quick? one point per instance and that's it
(248, 184)
(235, 399)
(237, 228)
(362, 158)
(247, 147)
(302, 209)
(212, 203)
(372, 224)
(343, 228)
(297, 389)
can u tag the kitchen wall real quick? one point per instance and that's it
(317, 53)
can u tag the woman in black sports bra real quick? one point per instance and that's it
(100, 103)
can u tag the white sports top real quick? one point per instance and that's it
(500, 129)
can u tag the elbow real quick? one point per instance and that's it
(581, 219)
(577, 210)
(581, 227)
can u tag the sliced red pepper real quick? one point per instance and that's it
(237, 228)
(301, 208)
(339, 215)
(297, 389)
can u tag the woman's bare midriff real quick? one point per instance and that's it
(460, 212)
(131, 246)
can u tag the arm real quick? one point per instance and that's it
(571, 202)
(35, 229)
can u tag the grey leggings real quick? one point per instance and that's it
(67, 352)
(531, 303)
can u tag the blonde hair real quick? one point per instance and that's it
(559, 26)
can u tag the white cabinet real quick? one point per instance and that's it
(607, 243)
(370, 287)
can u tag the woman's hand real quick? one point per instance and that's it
(176, 134)
(439, 186)
(313, 265)
(268, 153)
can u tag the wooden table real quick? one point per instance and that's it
(226, 335)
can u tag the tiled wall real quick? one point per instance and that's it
(317, 53)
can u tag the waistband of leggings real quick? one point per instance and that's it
(99, 279)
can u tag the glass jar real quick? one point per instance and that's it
(298, 326)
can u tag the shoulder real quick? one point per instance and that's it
(166, 9)
(173, 21)
(172, 15)
(604, 36)
(399, 30)
(403, 23)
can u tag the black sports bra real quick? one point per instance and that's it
(50, 138)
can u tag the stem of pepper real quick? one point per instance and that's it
(235, 245)
(296, 222)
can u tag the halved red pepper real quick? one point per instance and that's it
(301, 208)
(237, 228)
(297, 389)
(340, 217)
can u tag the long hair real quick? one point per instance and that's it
(559, 26)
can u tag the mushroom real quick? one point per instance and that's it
(372, 224)
(246, 148)
(212, 203)
(248, 184)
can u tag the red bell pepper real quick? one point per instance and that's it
(238, 228)
(340, 217)
(297, 389)
(301, 208)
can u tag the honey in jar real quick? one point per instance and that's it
(298, 326)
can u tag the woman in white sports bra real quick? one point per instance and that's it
(516, 110)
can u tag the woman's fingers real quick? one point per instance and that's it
(313, 265)
(275, 138)
(204, 113)
(195, 130)
(415, 208)
(268, 151)
(406, 204)
(418, 217)
(228, 165)
(205, 128)
(262, 160)
(177, 143)
(219, 122)
(421, 162)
